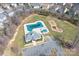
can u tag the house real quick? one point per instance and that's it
(14, 5)
(11, 13)
(32, 36)
(35, 5)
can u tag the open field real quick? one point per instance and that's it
(68, 35)
(69, 30)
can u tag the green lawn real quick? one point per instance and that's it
(19, 38)
(69, 29)
(36, 17)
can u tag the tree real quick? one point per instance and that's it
(3, 43)
(16, 20)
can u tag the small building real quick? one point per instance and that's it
(32, 36)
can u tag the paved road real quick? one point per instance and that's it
(44, 49)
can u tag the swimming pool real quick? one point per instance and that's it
(44, 30)
(38, 26)
(30, 27)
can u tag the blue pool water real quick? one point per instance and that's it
(45, 30)
(30, 27)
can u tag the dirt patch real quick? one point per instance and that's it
(54, 26)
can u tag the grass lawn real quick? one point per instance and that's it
(69, 29)
(19, 38)
(68, 35)
(36, 17)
